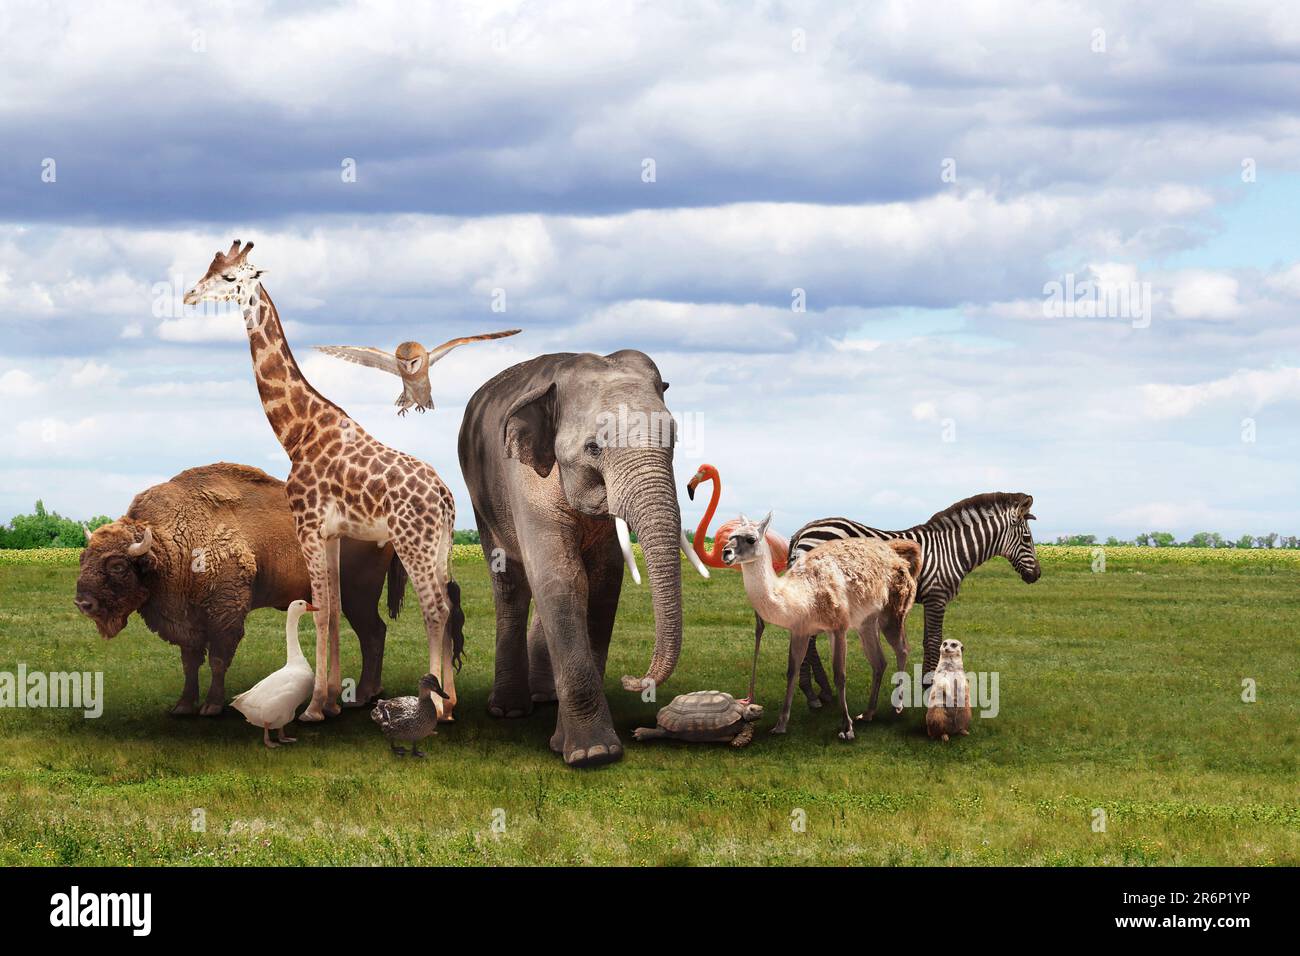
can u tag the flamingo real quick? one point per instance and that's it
(778, 547)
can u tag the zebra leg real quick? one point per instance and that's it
(813, 668)
(933, 638)
(806, 676)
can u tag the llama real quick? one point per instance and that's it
(859, 583)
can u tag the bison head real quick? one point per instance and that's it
(113, 566)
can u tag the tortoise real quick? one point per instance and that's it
(705, 716)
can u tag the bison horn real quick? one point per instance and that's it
(85, 529)
(142, 546)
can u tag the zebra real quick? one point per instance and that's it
(953, 543)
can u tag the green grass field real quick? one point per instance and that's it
(1120, 691)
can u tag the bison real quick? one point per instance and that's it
(195, 554)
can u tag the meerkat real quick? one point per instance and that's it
(947, 703)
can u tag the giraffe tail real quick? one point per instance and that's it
(396, 586)
(455, 623)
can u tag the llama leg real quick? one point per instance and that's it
(869, 634)
(313, 553)
(896, 634)
(839, 655)
(798, 648)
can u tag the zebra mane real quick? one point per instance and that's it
(999, 502)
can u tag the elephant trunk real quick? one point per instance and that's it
(641, 491)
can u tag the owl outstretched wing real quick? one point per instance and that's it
(445, 347)
(363, 355)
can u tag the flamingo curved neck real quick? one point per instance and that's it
(713, 560)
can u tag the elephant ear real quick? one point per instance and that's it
(530, 430)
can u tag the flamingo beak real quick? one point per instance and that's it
(690, 486)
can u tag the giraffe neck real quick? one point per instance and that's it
(292, 406)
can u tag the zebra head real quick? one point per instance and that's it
(1016, 542)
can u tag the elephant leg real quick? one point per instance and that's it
(221, 651)
(541, 679)
(604, 585)
(511, 696)
(584, 729)
(188, 704)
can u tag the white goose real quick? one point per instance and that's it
(273, 702)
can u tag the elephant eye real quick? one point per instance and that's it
(591, 448)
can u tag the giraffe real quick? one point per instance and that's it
(342, 484)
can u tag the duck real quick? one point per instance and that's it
(411, 718)
(273, 702)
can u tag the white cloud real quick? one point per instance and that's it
(1205, 295)
(16, 382)
(1248, 389)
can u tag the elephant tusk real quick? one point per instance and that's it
(625, 544)
(694, 558)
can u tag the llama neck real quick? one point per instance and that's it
(286, 395)
(765, 590)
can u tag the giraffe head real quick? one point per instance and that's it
(230, 277)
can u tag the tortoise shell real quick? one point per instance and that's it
(700, 711)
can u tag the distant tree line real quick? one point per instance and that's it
(49, 529)
(1202, 539)
(45, 529)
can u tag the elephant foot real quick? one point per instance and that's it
(591, 748)
(542, 697)
(184, 708)
(211, 710)
(509, 703)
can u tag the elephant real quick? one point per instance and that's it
(561, 455)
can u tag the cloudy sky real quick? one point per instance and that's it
(679, 177)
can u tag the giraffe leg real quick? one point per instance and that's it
(313, 552)
(334, 686)
(411, 530)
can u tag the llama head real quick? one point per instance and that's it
(747, 542)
